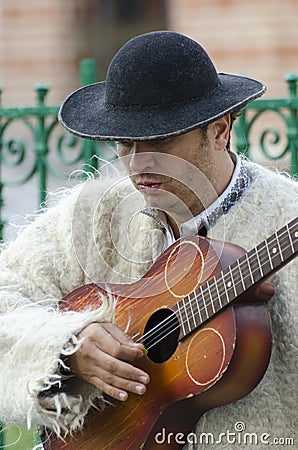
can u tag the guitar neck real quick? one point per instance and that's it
(256, 265)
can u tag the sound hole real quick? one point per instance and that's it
(161, 335)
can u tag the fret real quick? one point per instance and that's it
(181, 319)
(239, 285)
(289, 249)
(268, 254)
(265, 263)
(286, 248)
(290, 239)
(225, 288)
(259, 262)
(205, 306)
(233, 281)
(275, 253)
(208, 300)
(278, 244)
(198, 307)
(216, 300)
(249, 268)
(186, 315)
(241, 276)
(210, 295)
(218, 294)
(255, 265)
(192, 311)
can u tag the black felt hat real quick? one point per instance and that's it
(158, 85)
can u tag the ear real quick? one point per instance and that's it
(222, 128)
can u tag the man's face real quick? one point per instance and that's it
(173, 174)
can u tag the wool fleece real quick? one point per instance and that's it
(97, 233)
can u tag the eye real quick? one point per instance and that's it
(163, 144)
(123, 147)
(125, 143)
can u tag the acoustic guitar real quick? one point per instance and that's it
(208, 340)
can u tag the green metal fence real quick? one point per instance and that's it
(27, 132)
(282, 136)
(278, 142)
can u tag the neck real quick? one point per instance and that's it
(223, 172)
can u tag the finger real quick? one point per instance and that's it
(265, 291)
(121, 336)
(111, 391)
(113, 341)
(114, 377)
(95, 356)
(118, 378)
(101, 363)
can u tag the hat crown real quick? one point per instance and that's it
(159, 68)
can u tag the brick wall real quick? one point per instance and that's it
(255, 38)
(36, 37)
(44, 40)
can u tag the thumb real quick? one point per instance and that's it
(265, 291)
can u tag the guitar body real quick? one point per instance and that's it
(218, 363)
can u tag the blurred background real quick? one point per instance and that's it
(45, 41)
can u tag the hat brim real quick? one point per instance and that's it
(85, 113)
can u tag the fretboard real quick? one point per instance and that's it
(259, 263)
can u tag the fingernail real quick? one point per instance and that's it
(140, 389)
(122, 396)
(143, 379)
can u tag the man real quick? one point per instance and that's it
(171, 114)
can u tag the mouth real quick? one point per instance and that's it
(148, 187)
(148, 184)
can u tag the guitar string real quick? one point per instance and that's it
(205, 306)
(239, 277)
(173, 318)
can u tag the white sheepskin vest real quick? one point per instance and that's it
(98, 234)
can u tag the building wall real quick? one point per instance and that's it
(255, 38)
(36, 37)
(44, 40)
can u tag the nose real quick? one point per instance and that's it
(141, 158)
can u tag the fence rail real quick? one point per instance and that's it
(40, 124)
(286, 114)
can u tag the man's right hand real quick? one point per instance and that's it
(105, 360)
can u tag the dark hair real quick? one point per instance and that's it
(234, 116)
